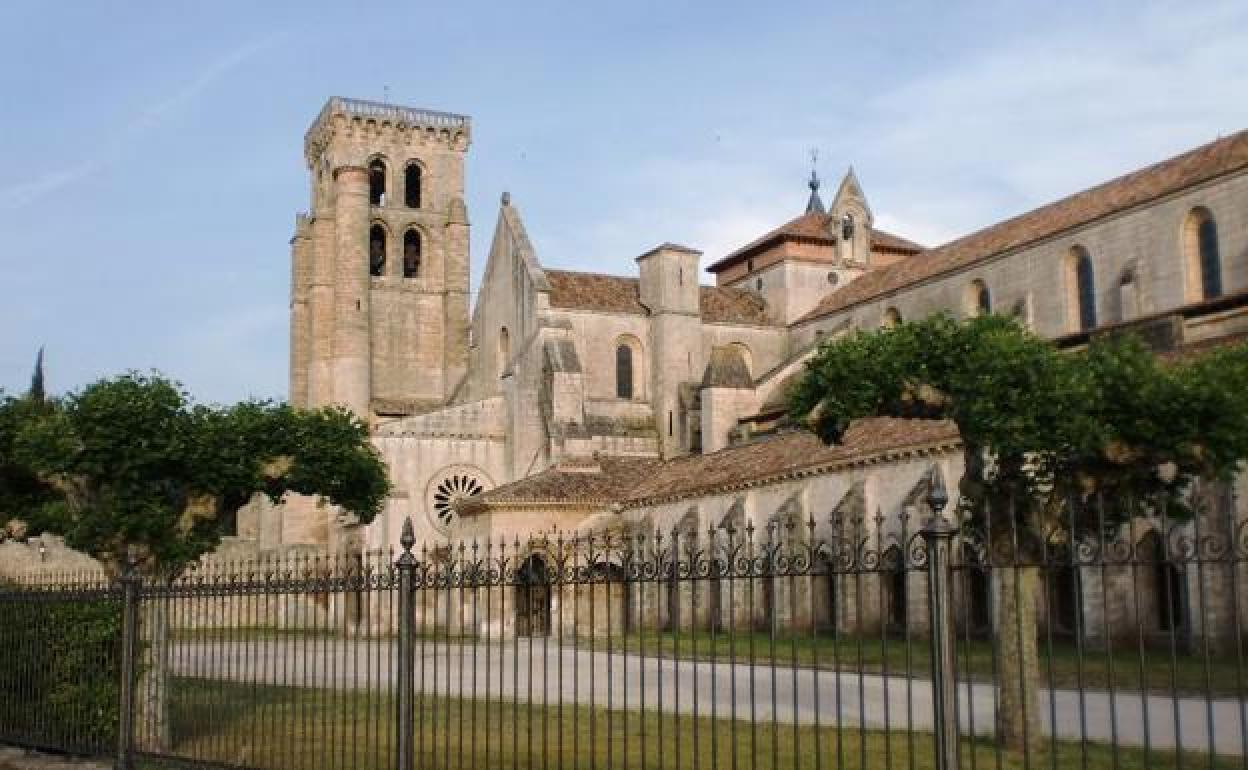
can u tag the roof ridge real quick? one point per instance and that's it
(876, 283)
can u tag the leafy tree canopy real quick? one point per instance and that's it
(133, 461)
(1033, 418)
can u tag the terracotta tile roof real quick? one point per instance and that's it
(812, 226)
(635, 481)
(592, 291)
(724, 304)
(785, 453)
(1190, 168)
(571, 485)
(883, 241)
(617, 294)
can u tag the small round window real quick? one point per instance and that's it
(450, 487)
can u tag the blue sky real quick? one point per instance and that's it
(151, 167)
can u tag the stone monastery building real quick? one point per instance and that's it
(577, 403)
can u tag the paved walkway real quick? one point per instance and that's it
(544, 672)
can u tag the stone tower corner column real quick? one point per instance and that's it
(352, 360)
(300, 321)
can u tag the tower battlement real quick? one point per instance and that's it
(451, 127)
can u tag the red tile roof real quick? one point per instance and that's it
(636, 481)
(812, 226)
(1199, 165)
(618, 294)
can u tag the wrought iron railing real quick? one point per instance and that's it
(843, 641)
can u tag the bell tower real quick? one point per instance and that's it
(379, 263)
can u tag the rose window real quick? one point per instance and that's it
(455, 486)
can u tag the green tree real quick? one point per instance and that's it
(132, 464)
(131, 469)
(1040, 428)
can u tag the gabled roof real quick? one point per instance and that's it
(811, 226)
(574, 290)
(1191, 168)
(637, 481)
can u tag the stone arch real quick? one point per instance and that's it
(1160, 590)
(413, 180)
(413, 248)
(377, 171)
(893, 588)
(628, 362)
(533, 597)
(1201, 257)
(682, 549)
(378, 246)
(976, 299)
(891, 318)
(1080, 289)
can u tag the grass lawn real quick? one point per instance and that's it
(1060, 663)
(292, 728)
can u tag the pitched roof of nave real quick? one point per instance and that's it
(1168, 176)
(619, 294)
(635, 481)
(813, 226)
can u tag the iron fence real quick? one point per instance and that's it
(851, 642)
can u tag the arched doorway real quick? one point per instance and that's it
(533, 597)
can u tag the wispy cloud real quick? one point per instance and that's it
(24, 193)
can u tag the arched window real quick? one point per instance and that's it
(411, 254)
(377, 250)
(504, 350)
(623, 370)
(1080, 289)
(892, 317)
(978, 299)
(376, 182)
(1204, 264)
(1128, 294)
(411, 186)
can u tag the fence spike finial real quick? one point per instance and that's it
(407, 538)
(937, 495)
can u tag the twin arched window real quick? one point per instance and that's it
(411, 254)
(377, 183)
(377, 250)
(1200, 250)
(411, 186)
(1081, 289)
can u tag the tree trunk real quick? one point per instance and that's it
(152, 729)
(1018, 716)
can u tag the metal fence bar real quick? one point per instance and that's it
(938, 532)
(404, 733)
(131, 583)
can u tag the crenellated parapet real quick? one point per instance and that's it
(367, 123)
